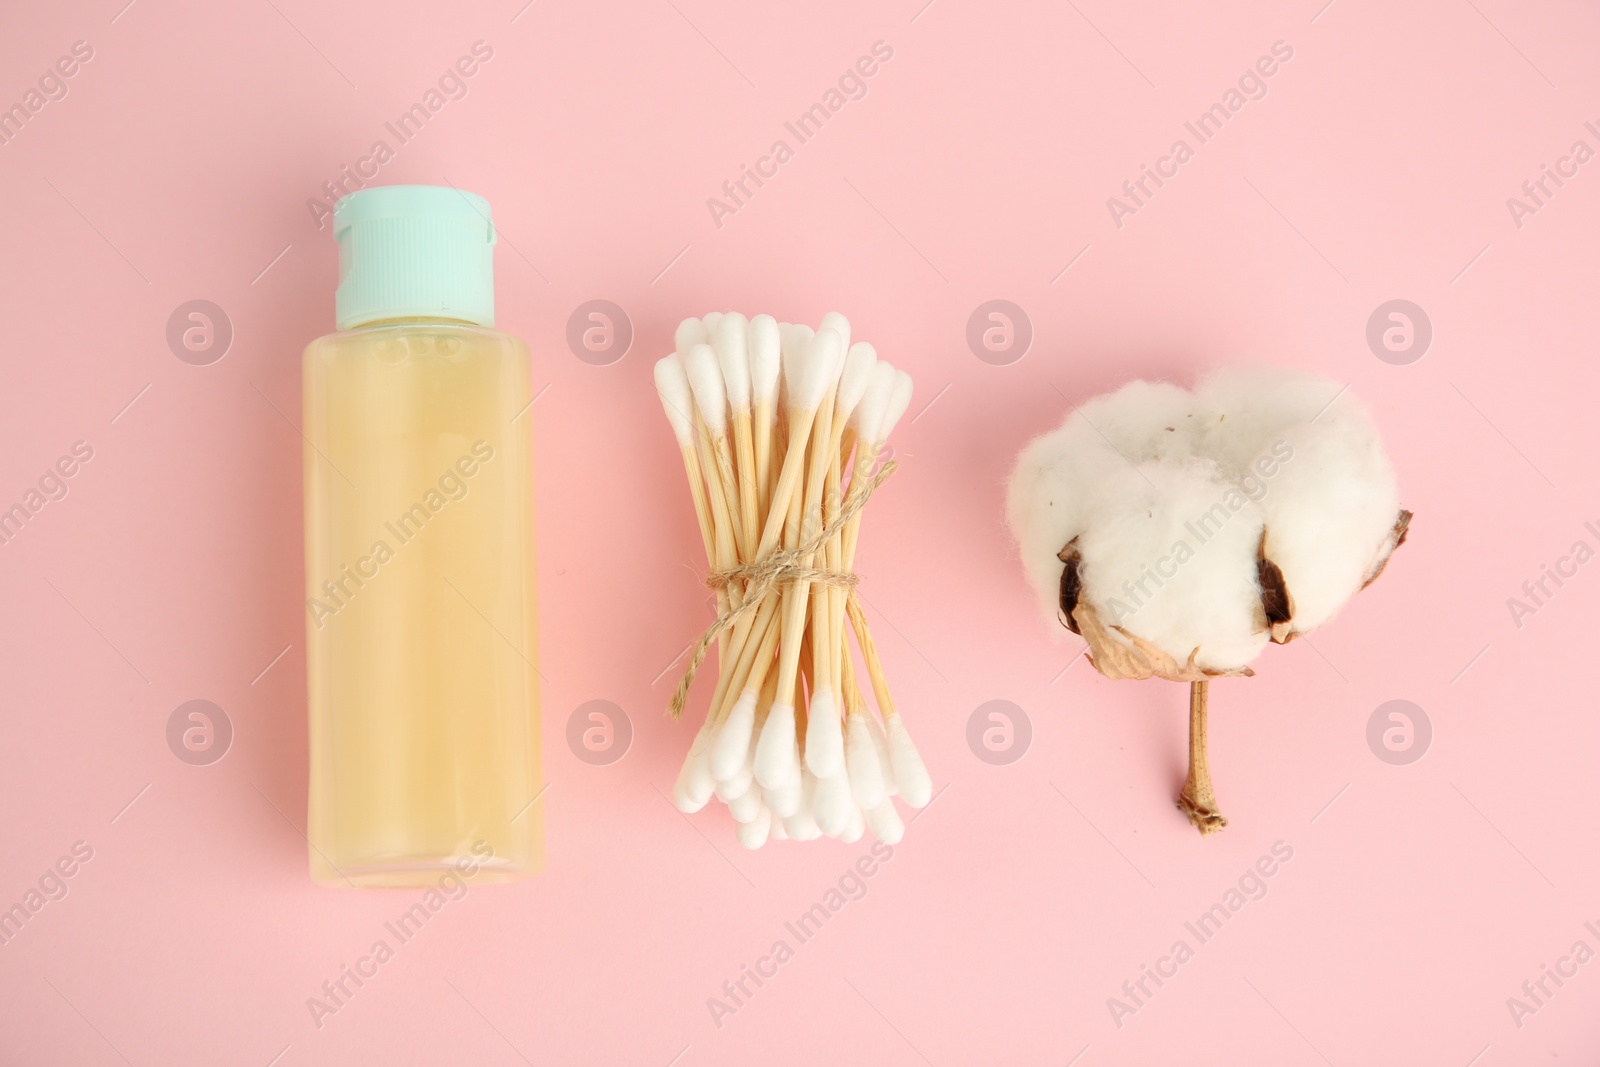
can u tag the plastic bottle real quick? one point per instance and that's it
(419, 556)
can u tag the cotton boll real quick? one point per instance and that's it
(1329, 504)
(1241, 411)
(1058, 477)
(1142, 420)
(778, 832)
(1169, 554)
(1051, 496)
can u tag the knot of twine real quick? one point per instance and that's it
(770, 571)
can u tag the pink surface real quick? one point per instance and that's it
(1419, 897)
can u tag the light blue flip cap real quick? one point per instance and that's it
(414, 251)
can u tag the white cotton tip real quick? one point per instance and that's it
(861, 762)
(778, 832)
(794, 338)
(709, 320)
(785, 799)
(705, 381)
(730, 750)
(740, 783)
(766, 358)
(824, 736)
(827, 355)
(802, 825)
(672, 384)
(885, 823)
(775, 758)
(747, 806)
(854, 828)
(839, 325)
(734, 356)
(809, 371)
(695, 784)
(854, 379)
(874, 405)
(690, 332)
(831, 804)
(916, 788)
(899, 401)
(880, 746)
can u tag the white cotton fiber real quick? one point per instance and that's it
(747, 806)
(1168, 493)
(854, 828)
(885, 823)
(802, 825)
(1330, 507)
(1169, 553)
(694, 785)
(861, 762)
(775, 758)
(916, 787)
(831, 804)
(730, 749)
(785, 799)
(753, 832)
(1052, 487)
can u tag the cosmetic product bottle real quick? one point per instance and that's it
(421, 638)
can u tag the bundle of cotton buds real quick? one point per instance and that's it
(783, 431)
(1180, 531)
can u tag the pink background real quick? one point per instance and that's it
(976, 168)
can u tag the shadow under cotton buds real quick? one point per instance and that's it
(778, 478)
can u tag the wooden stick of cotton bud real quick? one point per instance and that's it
(778, 749)
(694, 784)
(672, 385)
(812, 387)
(878, 417)
(711, 404)
(824, 731)
(916, 787)
(824, 749)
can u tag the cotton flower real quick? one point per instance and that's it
(1182, 531)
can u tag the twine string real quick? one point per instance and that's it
(764, 575)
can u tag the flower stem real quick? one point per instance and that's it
(1197, 800)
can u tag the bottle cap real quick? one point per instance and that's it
(414, 251)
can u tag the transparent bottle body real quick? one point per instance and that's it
(420, 606)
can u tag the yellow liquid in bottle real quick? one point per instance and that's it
(420, 606)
